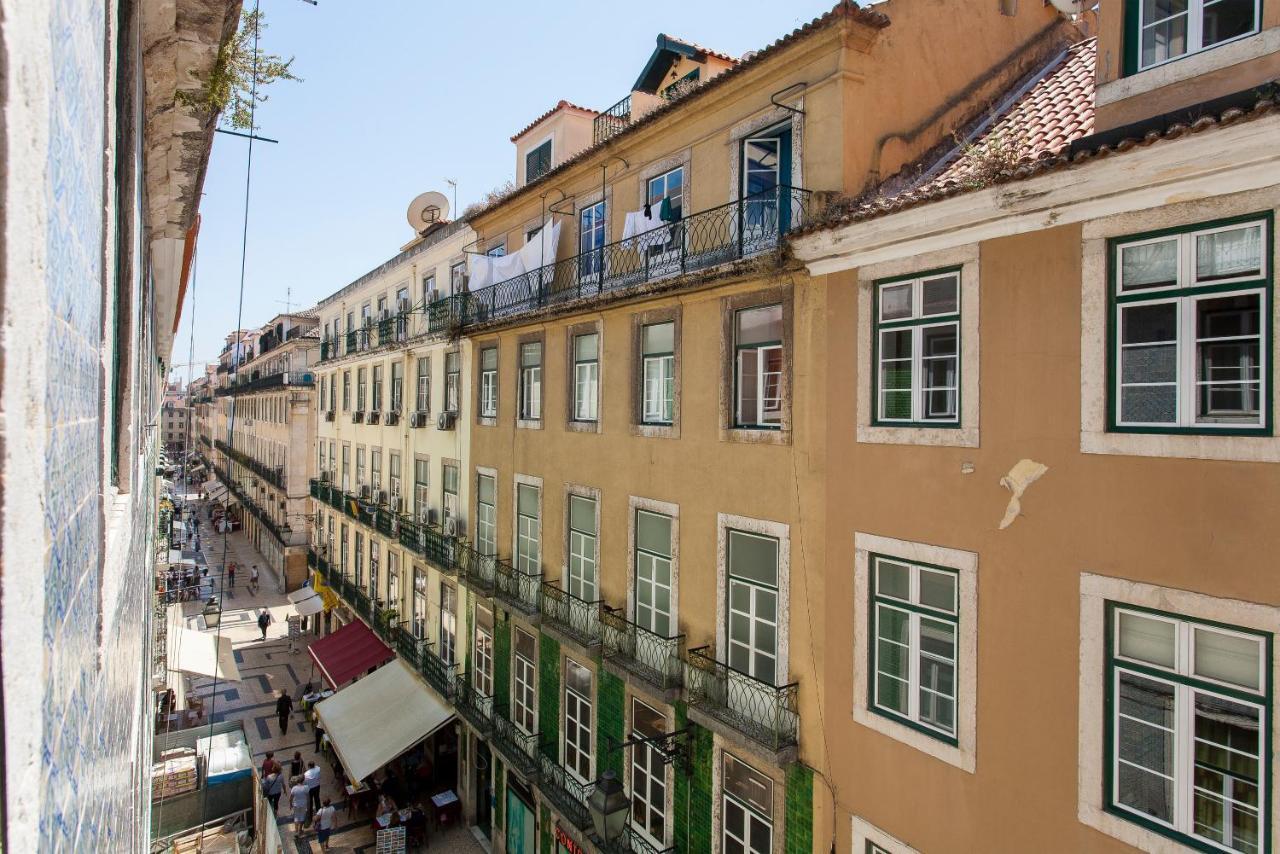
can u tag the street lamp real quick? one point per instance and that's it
(609, 807)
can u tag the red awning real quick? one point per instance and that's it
(349, 652)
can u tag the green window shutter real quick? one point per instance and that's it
(1132, 36)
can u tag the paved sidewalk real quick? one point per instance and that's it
(267, 668)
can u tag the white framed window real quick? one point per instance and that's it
(376, 405)
(582, 547)
(452, 381)
(586, 376)
(448, 623)
(360, 389)
(915, 612)
(419, 615)
(424, 384)
(746, 816)
(421, 489)
(394, 478)
(657, 342)
(531, 381)
(397, 386)
(665, 198)
(489, 382)
(483, 668)
(757, 348)
(648, 780)
(1187, 753)
(373, 570)
(528, 529)
(486, 514)
(393, 580)
(653, 582)
(579, 732)
(449, 491)
(1171, 30)
(359, 559)
(525, 677)
(1190, 318)
(591, 241)
(752, 612)
(375, 468)
(916, 338)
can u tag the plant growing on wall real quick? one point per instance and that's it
(230, 91)
(992, 159)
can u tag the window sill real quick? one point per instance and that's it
(1193, 65)
(487, 421)
(582, 427)
(955, 436)
(756, 435)
(656, 431)
(529, 424)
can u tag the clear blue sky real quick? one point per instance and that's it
(397, 96)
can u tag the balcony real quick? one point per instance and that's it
(519, 748)
(731, 232)
(611, 121)
(475, 708)
(479, 571)
(764, 713)
(633, 842)
(649, 656)
(518, 589)
(569, 615)
(273, 475)
(566, 793)
(429, 542)
(277, 380)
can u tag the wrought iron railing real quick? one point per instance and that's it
(652, 656)
(576, 617)
(565, 791)
(633, 841)
(477, 708)
(517, 587)
(612, 120)
(520, 748)
(273, 475)
(276, 380)
(740, 229)
(408, 647)
(767, 713)
(479, 570)
(439, 674)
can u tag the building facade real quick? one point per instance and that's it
(175, 421)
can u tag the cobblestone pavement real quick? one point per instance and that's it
(268, 667)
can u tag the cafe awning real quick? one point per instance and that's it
(378, 718)
(201, 654)
(306, 601)
(348, 652)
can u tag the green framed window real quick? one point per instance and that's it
(1188, 741)
(1160, 31)
(915, 622)
(758, 361)
(1189, 329)
(916, 351)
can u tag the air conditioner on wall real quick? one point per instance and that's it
(382, 497)
(446, 420)
(451, 526)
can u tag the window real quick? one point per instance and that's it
(591, 240)
(752, 605)
(528, 533)
(916, 351)
(421, 495)
(424, 384)
(419, 603)
(359, 562)
(531, 381)
(429, 293)
(395, 482)
(397, 386)
(666, 202)
(486, 515)
(758, 367)
(342, 555)
(393, 579)
(483, 669)
(376, 405)
(577, 721)
(586, 376)
(653, 573)
(648, 776)
(496, 251)
(537, 162)
(1187, 752)
(346, 391)
(1190, 318)
(582, 547)
(1170, 30)
(657, 342)
(914, 618)
(451, 381)
(448, 623)
(361, 481)
(346, 468)
(373, 569)
(458, 277)
(747, 817)
(489, 382)
(449, 482)
(375, 466)
(526, 680)
(333, 390)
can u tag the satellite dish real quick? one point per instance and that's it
(1071, 7)
(426, 210)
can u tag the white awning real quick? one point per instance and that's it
(374, 720)
(306, 601)
(201, 654)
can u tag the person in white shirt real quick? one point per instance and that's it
(312, 778)
(324, 824)
(298, 799)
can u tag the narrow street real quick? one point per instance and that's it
(268, 667)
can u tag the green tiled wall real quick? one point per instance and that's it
(548, 838)
(501, 662)
(611, 699)
(548, 689)
(693, 795)
(499, 793)
(799, 839)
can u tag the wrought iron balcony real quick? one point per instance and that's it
(632, 841)
(565, 791)
(519, 589)
(475, 707)
(429, 542)
(519, 748)
(766, 713)
(652, 657)
(576, 617)
(480, 571)
(741, 229)
(612, 120)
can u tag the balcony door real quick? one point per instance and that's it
(751, 614)
(591, 242)
(766, 176)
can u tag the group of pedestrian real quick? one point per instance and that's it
(305, 803)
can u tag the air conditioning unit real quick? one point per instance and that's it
(382, 497)
(328, 416)
(446, 420)
(365, 492)
(451, 527)
(357, 416)
(393, 417)
(418, 419)
(374, 416)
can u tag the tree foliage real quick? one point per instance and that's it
(230, 91)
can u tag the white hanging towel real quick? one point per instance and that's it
(640, 232)
(479, 272)
(507, 267)
(542, 251)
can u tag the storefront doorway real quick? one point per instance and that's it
(522, 835)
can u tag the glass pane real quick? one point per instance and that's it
(586, 347)
(895, 374)
(527, 500)
(893, 579)
(938, 639)
(578, 678)
(1149, 265)
(1147, 639)
(1226, 770)
(748, 785)
(659, 338)
(1233, 253)
(938, 590)
(1148, 404)
(895, 301)
(891, 693)
(1228, 658)
(488, 360)
(760, 325)
(487, 489)
(753, 557)
(1226, 19)
(582, 514)
(941, 295)
(1145, 751)
(530, 355)
(1167, 38)
(653, 532)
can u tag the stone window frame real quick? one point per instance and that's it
(527, 480)
(582, 491)
(780, 531)
(729, 308)
(595, 327)
(749, 127)
(666, 508)
(967, 434)
(477, 348)
(1095, 305)
(462, 517)
(629, 698)
(538, 337)
(590, 665)
(865, 832)
(681, 159)
(962, 754)
(639, 320)
(1095, 592)
(719, 747)
(474, 501)
(455, 350)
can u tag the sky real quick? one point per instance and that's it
(397, 96)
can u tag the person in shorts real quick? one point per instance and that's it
(324, 824)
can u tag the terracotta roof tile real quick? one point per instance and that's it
(561, 104)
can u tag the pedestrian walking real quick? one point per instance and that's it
(264, 620)
(298, 800)
(324, 824)
(312, 778)
(272, 789)
(284, 705)
(253, 584)
(295, 764)
(319, 731)
(270, 765)
(231, 578)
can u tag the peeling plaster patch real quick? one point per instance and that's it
(1022, 475)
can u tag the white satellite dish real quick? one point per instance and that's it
(1071, 7)
(426, 210)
